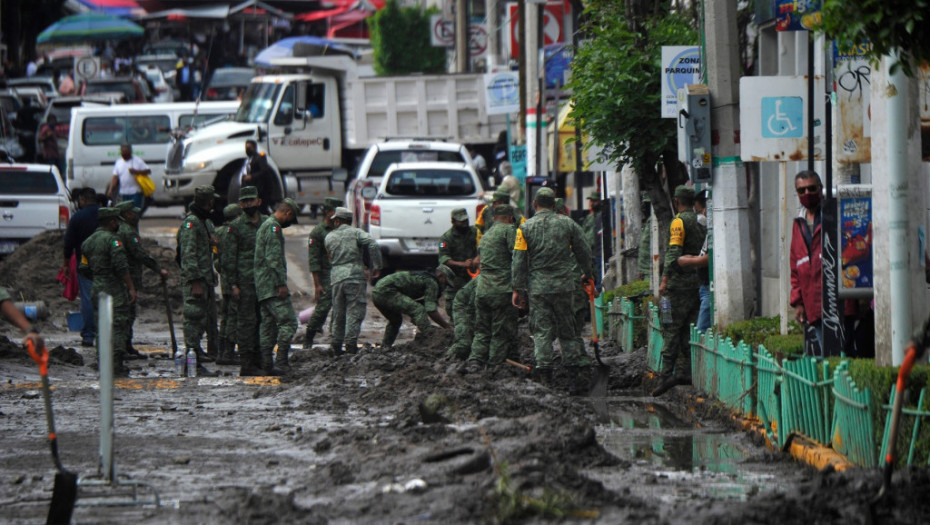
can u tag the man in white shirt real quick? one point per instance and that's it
(124, 176)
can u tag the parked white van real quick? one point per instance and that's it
(96, 134)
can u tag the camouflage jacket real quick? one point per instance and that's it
(239, 247)
(686, 237)
(458, 246)
(196, 243)
(496, 251)
(543, 251)
(415, 285)
(344, 246)
(316, 250)
(136, 254)
(270, 259)
(106, 257)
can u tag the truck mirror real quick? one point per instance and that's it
(301, 98)
(369, 192)
(340, 175)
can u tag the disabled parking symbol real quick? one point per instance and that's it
(782, 117)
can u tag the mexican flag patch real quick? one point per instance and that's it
(275, 229)
(229, 229)
(310, 241)
(442, 245)
(117, 244)
(135, 240)
(188, 225)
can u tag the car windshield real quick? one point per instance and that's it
(383, 159)
(231, 77)
(446, 183)
(125, 88)
(62, 112)
(257, 103)
(18, 182)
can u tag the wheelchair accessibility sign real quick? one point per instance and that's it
(782, 117)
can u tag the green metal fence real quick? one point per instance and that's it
(805, 398)
(654, 346)
(626, 322)
(916, 418)
(769, 378)
(852, 420)
(723, 370)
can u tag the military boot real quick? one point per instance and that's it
(268, 368)
(351, 347)
(226, 357)
(308, 339)
(666, 383)
(282, 359)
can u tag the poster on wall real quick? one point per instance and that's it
(855, 226)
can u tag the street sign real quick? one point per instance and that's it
(86, 68)
(773, 119)
(554, 13)
(442, 31)
(502, 92)
(681, 65)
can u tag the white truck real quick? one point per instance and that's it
(315, 124)
(33, 198)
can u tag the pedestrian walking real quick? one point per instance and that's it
(320, 267)
(137, 257)
(806, 263)
(240, 272)
(680, 286)
(124, 177)
(458, 247)
(196, 244)
(401, 293)
(544, 248)
(278, 320)
(81, 226)
(229, 308)
(104, 259)
(496, 317)
(346, 246)
(48, 137)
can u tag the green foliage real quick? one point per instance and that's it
(627, 290)
(640, 309)
(755, 331)
(513, 505)
(616, 77)
(792, 344)
(879, 380)
(888, 26)
(400, 37)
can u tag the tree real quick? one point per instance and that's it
(400, 37)
(616, 75)
(895, 26)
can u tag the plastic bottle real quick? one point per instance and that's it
(180, 361)
(191, 363)
(666, 310)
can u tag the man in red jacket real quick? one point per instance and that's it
(806, 264)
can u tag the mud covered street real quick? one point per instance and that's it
(398, 437)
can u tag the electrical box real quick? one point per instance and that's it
(694, 131)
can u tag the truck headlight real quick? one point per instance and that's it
(198, 166)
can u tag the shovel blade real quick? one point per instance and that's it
(64, 494)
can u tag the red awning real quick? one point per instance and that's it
(320, 15)
(346, 19)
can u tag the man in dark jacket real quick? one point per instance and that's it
(256, 172)
(81, 226)
(806, 265)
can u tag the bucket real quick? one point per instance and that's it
(75, 321)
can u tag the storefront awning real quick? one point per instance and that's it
(124, 8)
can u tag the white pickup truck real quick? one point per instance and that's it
(33, 198)
(412, 208)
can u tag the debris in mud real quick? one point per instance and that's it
(66, 355)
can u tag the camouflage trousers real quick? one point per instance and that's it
(686, 303)
(246, 328)
(393, 307)
(199, 315)
(279, 322)
(121, 318)
(552, 316)
(349, 304)
(463, 308)
(495, 329)
(229, 311)
(322, 307)
(452, 289)
(137, 283)
(582, 308)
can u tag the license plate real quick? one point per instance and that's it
(429, 246)
(8, 246)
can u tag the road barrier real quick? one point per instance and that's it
(789, 395)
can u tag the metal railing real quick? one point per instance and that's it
(852, 419)
(917, 415)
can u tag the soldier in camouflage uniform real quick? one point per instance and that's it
(644, 258)
(196, 244)
(458, 248)
(320, 268)
(279, 322)
(104, 256)
(240, 273)
(486, 218)
(398, 294)
(496, 323)
(463, 307)
(137, 256)
(228, 307)
(345, 246)
(542, 268)
(680, 285)
(580, 297)
(591, 220)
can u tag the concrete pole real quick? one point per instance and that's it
(785, 196)
(632, 222)
(490, 7)
(733, 281)
(461, 37)
(529, 53)
(899, 190)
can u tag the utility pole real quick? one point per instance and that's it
(734, 290)
(490, 8)
(461, 36)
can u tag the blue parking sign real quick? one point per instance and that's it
(782, 117)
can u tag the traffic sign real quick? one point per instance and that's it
(554, 13)
(86, 67)
(782, 117)
(773, 119)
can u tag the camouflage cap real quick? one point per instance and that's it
(594, 196)
(331, 203)
(344, 214)
(206, 191)
(107, 213)
(685, 192)
(231, 211)
(460, 214)
(248, 193)
(503, 209)
(125, 206)
(293, 206)
(501, 194)
(450, 275)
(545, 197)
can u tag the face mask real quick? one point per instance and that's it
(250, 211)
(462, 228)
(810, 200)
(287, 224)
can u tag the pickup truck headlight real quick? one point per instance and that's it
(198, 166)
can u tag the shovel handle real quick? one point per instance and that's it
(518, 365)
(910, 358)
(40, 356)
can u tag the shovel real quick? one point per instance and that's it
(910, 357)
(602, 371)
(64, 492)
(174, 341)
